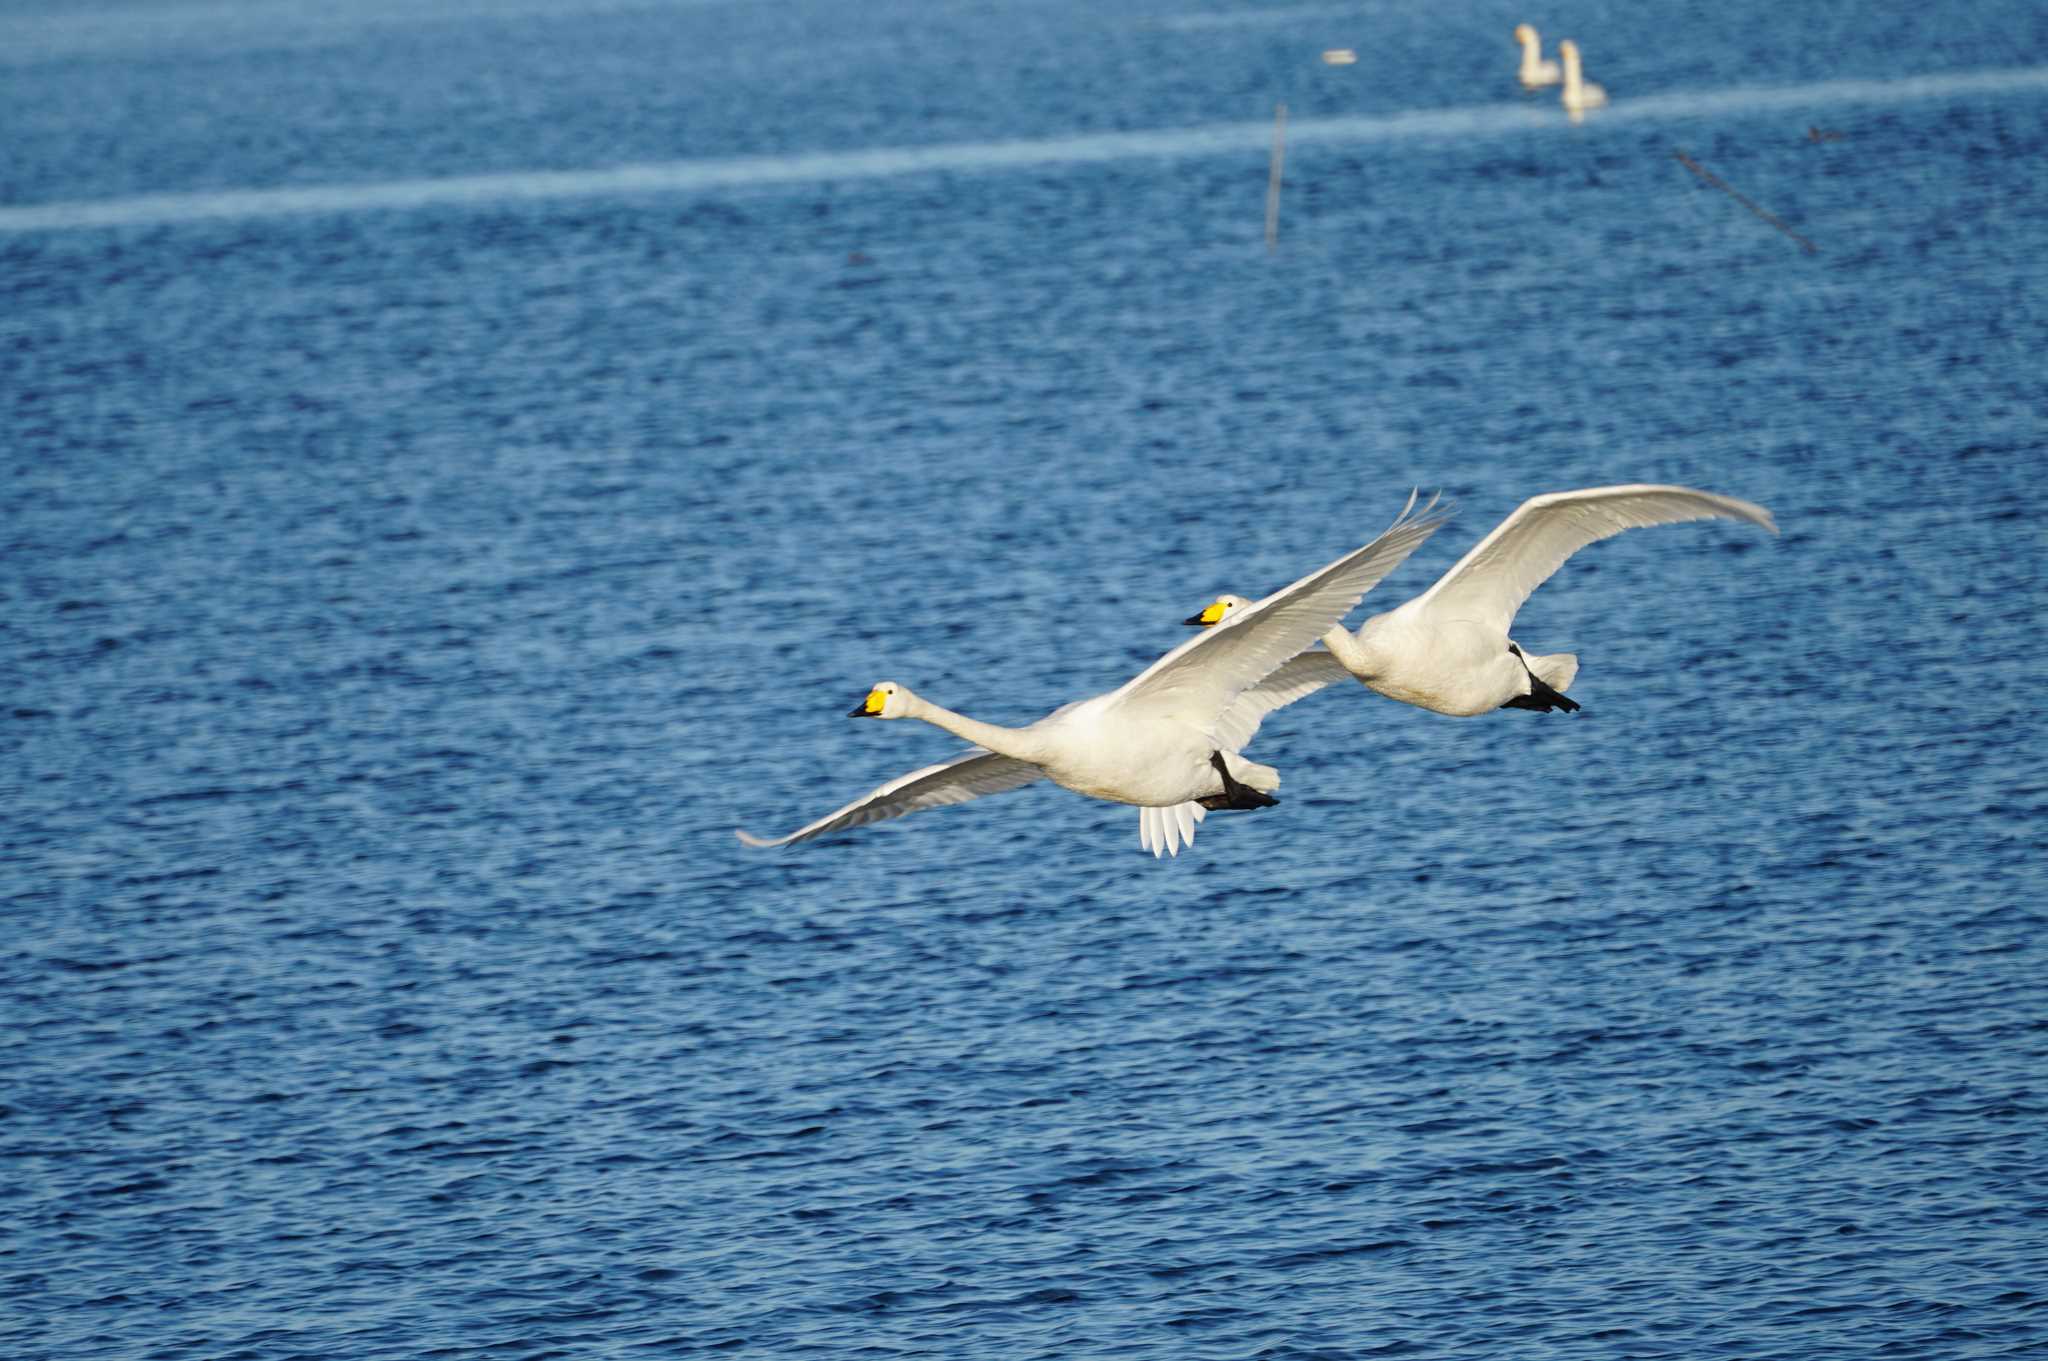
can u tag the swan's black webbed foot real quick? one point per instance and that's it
(1541, 698)
(1234, 795)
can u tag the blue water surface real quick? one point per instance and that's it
(406, 588)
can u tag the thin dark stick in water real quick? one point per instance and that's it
(1711, 178)
(1273, 176)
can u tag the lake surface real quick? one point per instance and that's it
(462, 460)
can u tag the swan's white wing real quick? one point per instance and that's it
(1490, 583)
(972, 774)
(1297, 678)
(1203, 676)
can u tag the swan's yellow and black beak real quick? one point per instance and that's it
(1212, 613)
(871, 707)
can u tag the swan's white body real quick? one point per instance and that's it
(1164, 829)
(1537, 70)
(1151, 742)
(1448, 649)
(1579, 94)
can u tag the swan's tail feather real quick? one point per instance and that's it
(1163, 831)
(1557, 671)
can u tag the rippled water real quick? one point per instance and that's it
(408, 588)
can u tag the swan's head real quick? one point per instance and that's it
(1569, 50)
(886, 700)
(1525, 35)
(1217, 610)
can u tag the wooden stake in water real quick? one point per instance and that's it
(1273, 176)
(1766, 214)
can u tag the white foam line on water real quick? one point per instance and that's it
(33, 39)
(1904, 89)
(1255, 18)
(697, 176)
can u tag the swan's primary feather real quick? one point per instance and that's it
(1490, 583)
(973, 774)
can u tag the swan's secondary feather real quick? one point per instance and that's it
(1490, 583)
(973, 774)
(1298, 678)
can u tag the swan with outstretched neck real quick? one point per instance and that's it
(1448, 649)
(1168, 741)
(1537, 70)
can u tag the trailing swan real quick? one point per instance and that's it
(1579, 94)
(1448, 649)
(1537, 70)
(1168, 740)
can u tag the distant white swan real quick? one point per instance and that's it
(1167, 741)
(1448, 649)
(1537, 70)
(1579, 93)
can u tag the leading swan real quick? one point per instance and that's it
(1537, 70)
(1448, 649)
(1168, 740)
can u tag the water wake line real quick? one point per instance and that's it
(697, 176)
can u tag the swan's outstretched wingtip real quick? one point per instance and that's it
(1735, 508)
(749, 839)
(1723, 507)
(1436, 508)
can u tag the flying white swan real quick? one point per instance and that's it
(1168, 740)
(1448, 649)
(1579, 94)
(1537, 71)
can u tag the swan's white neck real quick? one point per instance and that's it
(1569, 55)
(1021, 743)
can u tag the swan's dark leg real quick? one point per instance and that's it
(1234, 795)
(1541, 698)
